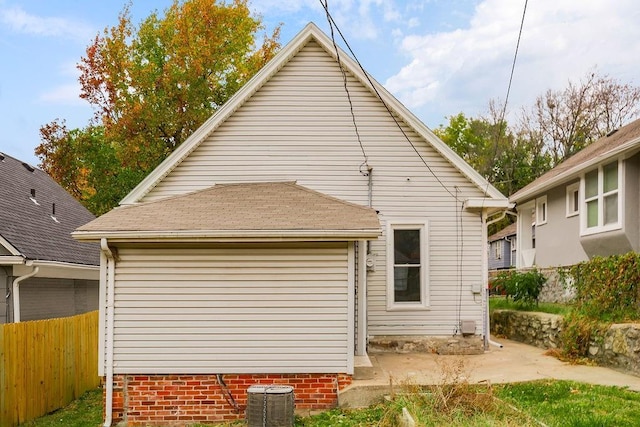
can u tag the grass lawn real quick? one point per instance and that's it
(502, 303)
(536, 403)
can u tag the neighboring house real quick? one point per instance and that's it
(44, 273)
(502, 248)
(585, 206)
(268, 248)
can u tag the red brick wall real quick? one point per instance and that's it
(183, 399)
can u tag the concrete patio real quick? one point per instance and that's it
(514, 362)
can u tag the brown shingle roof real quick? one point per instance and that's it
(509, 230)
(269, 206)
(599, 148)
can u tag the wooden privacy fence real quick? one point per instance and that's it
(45, 364)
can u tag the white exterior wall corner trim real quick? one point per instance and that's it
(311, 31)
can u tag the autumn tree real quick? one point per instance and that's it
(151, 86)
(563, 122)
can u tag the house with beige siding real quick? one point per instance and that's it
(584, 207)
(44, 273)
(280, 244)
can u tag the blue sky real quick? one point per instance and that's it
(439, 57)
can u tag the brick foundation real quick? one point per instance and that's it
(143, 400)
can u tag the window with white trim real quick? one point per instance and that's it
(541, 210)
(602, 199)
(407, 266)
(497, 249)
(573, 199)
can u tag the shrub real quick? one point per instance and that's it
(607, 287)
(522, 287)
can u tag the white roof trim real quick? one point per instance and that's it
(230, 235)
(9, 247)
(311, 31)
(576, 171)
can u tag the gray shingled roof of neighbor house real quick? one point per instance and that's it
(29, 227)
(509, 230)
(267, 206)
(610, 144)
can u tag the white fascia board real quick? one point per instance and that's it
(486, 203)
(9, 247)
(577, 170)
(230, 235)
(11, 260)
(62, 270)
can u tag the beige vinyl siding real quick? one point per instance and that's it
(233, 309)
(298, 127)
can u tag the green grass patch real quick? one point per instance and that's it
(502, 303)
(545, 402)
(83, 412)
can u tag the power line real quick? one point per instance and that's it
(333, 23)
(325, 5)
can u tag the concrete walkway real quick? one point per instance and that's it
(514, 362)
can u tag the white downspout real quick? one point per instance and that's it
(485, 262)
(362, 298)
(16, 293)
(110, 298)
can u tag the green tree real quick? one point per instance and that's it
(151, 87)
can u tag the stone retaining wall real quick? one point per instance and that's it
(619, 347)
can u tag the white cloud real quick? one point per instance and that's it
(461, 70)
(17, 19)
(66, 94)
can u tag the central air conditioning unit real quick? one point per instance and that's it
(270, 406)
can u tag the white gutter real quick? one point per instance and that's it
(231, 235)
(16, 293)
(107, 274)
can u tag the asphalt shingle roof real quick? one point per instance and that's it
(600, 147)
(282, 206)
(28, 226)
(509, 230)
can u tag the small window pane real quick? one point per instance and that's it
(611, 209)
(592, 213)
(407, 284)
(407, 246)
(576, 202)
(610, 173)
(591, 184)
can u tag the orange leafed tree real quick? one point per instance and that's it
(151, 86)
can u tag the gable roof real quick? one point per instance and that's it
(509, 230)
(310, 32)
(624, 140)
(27, 228)
(264, 210)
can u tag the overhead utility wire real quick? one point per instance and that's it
(332, 23)
(325, 5)
(506, 99)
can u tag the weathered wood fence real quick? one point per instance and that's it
(45, 364)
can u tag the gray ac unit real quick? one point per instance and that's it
(270, 406)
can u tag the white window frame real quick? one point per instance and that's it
(542, 210)
(571, 191)
(497, 250)
(423, 226)
(601, 227)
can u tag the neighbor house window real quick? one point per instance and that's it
(498, 249)
(407, 266)
(541, 210)
(573, 199)
(601, 198)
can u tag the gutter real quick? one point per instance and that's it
(107, 269)
(16, 293)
